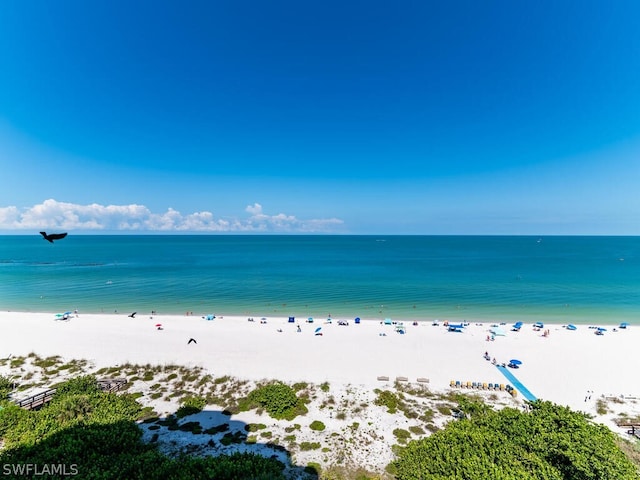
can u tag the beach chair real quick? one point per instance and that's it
(474, 385)
(490, 386)
(458, 384)
(468, 384)
(502, 387)
(484, 386)
(452, 383)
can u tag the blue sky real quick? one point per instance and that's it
(371, 117)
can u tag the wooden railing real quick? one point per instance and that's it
(38, 400)
(111, 384)
(634, 427)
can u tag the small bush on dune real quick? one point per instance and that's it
(317, 425)
(190, 406)
(279, 400)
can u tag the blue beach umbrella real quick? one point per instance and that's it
(515, 361)
(318, 329)
(571, 327)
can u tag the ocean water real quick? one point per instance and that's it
(501, 278)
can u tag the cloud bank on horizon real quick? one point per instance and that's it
(52, 214)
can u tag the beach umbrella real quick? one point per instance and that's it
(515, 362)
(624, 325)
(158, 324)
(318, 329)
(538, 325)
(571, 327)
(602, 329)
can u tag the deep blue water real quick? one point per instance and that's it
(564, 279)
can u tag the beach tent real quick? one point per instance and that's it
(517, 326)
(624, 325)
(387, 321)
(292, 319)
(571, 327)
(455, 327)
(310, 320)
(210, 317)
(538, 325)
(498, 331)
(357, 320)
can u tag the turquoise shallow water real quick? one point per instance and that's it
(561, 279)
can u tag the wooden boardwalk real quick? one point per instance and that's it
(633, 430)
(36, 401)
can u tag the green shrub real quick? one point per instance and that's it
(86, 384)
(217, 429)
(317, 425)
(254, 427)
(306, 446)
(193, 427)
(279, 400)
(402, 435)
(299, 386)
(6, 385)
(313, 468)
(388, 399)
(550, 442)
(190, 406)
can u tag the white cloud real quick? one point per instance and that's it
(52, 214)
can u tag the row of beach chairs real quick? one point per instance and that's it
(483, 386)
(385, 378)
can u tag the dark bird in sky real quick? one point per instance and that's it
(52, 236)
(192, 340)
(133, 315)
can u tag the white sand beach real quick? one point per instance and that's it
(574, 368)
